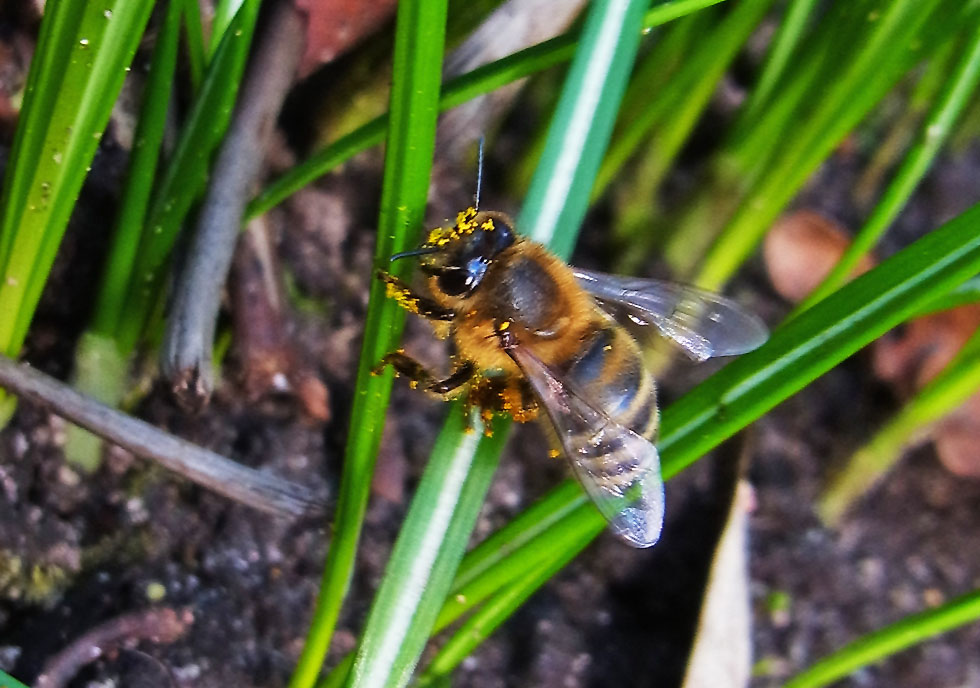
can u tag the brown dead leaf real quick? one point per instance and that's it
(956, 439)
(800, 250)
(335, 26)
(914, 356)
(910, 359)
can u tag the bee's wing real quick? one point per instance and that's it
(702, 323)
(619, 469)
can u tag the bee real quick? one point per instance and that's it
(531, 333)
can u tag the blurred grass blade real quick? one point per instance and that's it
(786, 41)
(860, 78)
(419, 38)
(669, 116)
(889, 640)
(8, 681)
(430, 544)
(958, 92)
(947, 391)
(455, 92)
(82, 55)
(194, 35)
(180, 184)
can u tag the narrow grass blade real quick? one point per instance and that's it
(517, 562)
(456, 91)
(787, 40)
(954, 385)
(958, 92)
(8, 681)
(77, 72)
(408, 161)
(429, 547)
(142, 171)
(101, 370)
(669, 116)
(889, 640)
(194, 40)
(488, 618)
(184, 177)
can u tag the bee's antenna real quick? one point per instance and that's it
(417, 252)
(479, 175)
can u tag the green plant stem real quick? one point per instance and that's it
(958, 92)
(954, 385)
(889, 640)
(408, 160)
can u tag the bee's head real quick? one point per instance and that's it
(458, 256)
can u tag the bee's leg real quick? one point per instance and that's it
(508, 396)
(406, 297)
(419, 376)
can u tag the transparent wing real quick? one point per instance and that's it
(619, 469)
(702, 323)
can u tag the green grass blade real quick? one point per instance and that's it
(455, 92)
(142, 170)
(787, 39)
(100, 369)
(488, 618)
(888, 50)
(77, 72)
(224, 15)
(889, 640)
(8, 681)
(954, 385)
(518, 532)
(518, 561)
(959, 90)
(194, 39)
(184, 177)
(670, 116)
(408, 161)
(429, 547)
(579, 134)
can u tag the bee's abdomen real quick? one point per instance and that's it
(610, 374)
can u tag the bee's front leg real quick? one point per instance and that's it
(419, 376)
(408, 299)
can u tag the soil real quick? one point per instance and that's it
(78, 550)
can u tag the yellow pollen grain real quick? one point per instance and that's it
(553, 453)
(488, 225)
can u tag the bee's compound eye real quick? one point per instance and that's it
(455, 282)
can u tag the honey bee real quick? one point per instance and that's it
(531, 333)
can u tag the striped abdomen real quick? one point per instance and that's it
(610, 373)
